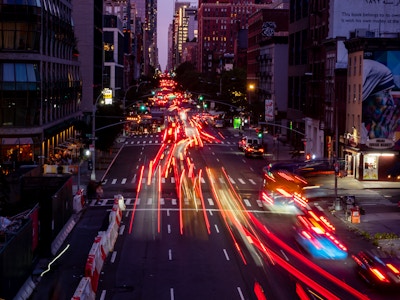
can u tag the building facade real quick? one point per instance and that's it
(219, 23)
(267, 58)
(40, 78)
(372, 131)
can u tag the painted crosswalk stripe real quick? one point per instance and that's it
(173, 201)
(241, 181)
(252, 181)
(259, 203)
(210, 201)
(114, 181)
(186, 201)
(172, 179)
(221, 180)
(231, 180)
(138, 201)
(123, 181)
(150, 201)
(162, 202)
(202, 180)
(247, 202)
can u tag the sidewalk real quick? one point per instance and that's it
(83, 239)
(382, 214)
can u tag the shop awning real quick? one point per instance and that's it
(17, 141)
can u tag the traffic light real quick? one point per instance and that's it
(259, 134)
(142, 107)
(201, 97)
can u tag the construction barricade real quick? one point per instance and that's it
(95, 261)
(103, 244)
(119, 199)
(84, 290)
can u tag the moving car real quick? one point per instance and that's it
(254, 150)
(246, 141)
(378, 269)
(320, 243)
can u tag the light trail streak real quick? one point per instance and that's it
(224, 217)
(137, 197)
(203, 204)
(150, 172)
(159, 201)
(180, 203)
(306, 261)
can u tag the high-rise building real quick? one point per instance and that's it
(40, 79)
(184, 32)
(267, 66)
(219, 23)
(88, 20)
(150, 38)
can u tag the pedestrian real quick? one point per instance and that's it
(99, 193)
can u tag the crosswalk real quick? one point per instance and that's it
(173, 203)
(171, 180)
(157, 141)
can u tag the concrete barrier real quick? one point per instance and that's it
(84, 290)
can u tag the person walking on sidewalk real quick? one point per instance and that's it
(99, 193)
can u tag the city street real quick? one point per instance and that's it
(172, 247)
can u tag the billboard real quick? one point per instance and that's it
(269, 110)
(378, 17)
(380, 128)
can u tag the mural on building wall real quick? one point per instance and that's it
(381, 100)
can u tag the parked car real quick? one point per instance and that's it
(254, 150)
(378, 269)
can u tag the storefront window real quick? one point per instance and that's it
(370, 167)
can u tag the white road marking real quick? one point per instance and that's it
(113, 256)
(226, 254)
(284, 255)
(121, 230)
(240, 293)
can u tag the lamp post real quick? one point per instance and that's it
(93, 174)
(137, 90)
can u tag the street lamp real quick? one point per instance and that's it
(93, 148)
(137, 90)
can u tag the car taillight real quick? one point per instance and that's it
(393, 268)
(378, 274)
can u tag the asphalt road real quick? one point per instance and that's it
(172, 247)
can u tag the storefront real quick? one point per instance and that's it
(377, 160)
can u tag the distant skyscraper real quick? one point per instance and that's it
(184, 30)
